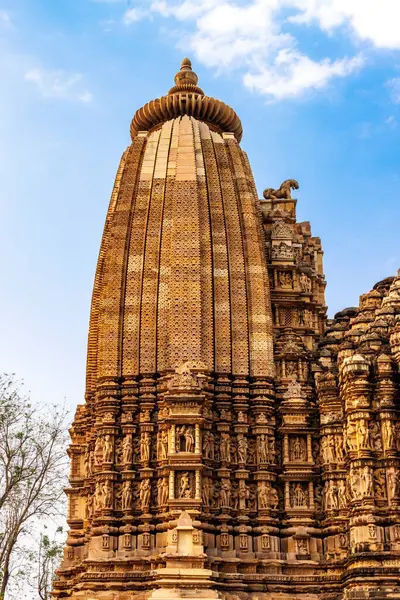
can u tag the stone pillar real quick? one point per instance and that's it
(171, 485)
(197, 448)
(198, 485)
(172, 449)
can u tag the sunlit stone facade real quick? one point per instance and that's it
(234, 443)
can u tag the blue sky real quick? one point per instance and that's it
(315, 82)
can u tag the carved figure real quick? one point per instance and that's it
(88, 462)
(366, 482)
(108, 449)
(393, 478)
(98, 497)
(206, 492)
(127, 497)
(162, 491)
(225, 448)
(243, 495)
(251, 452)
(380, 484)
(363, 434)
(189, 439)
(355, 484)
(305, 282)
(145, 447)
(262, 448)
(98, 450)
(298, 448)
(184, 487)
(387, 432)
(206, 445)
(339, 448)
(265, 543)
(225, 414)
(302, 546)
(273, 498)
(318, 497)
(242, 450)
(308, 317)
(127, 450)
(89, 506)
(164, 445)
(282, 251)
(291, 368)
(285, 279)
(299, 496)
(284, 191)
(225, 493)
(342, 494)
(351, 436)
(252, 499)
(331, 449)
(235, 498)
(331, 495)
(144, 493)
(375, 435)
(242, 418)
(107, 494)
(263, 495)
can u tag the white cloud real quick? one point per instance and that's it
(58, 84)
(231, 35)
(372, 20)
(252, 35)
(132, 15)
(292, 73)
(5, 18)
(394, 85)
(391, 121)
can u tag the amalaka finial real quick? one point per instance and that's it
(186, 80)
(186, 64)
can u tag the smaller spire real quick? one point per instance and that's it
(186, 80)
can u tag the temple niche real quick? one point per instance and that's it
(235, 443)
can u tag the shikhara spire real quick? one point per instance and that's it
(234, 442)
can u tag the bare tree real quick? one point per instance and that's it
(32, 471)
(49, 555)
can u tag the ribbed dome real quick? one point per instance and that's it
(186, 98)
(181, 273)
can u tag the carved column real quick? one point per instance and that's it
(356, 393)
(332, 492)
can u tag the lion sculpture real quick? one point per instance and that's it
(283, 192)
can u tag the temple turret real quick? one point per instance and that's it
(234, 443)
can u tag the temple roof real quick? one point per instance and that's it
(182, 273)
(186, 98)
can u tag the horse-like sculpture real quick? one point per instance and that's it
(284, 192)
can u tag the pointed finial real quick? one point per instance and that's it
(186, 64)
(186, 80)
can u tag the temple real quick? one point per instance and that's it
(234, 444)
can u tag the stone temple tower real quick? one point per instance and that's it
(233, 443)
